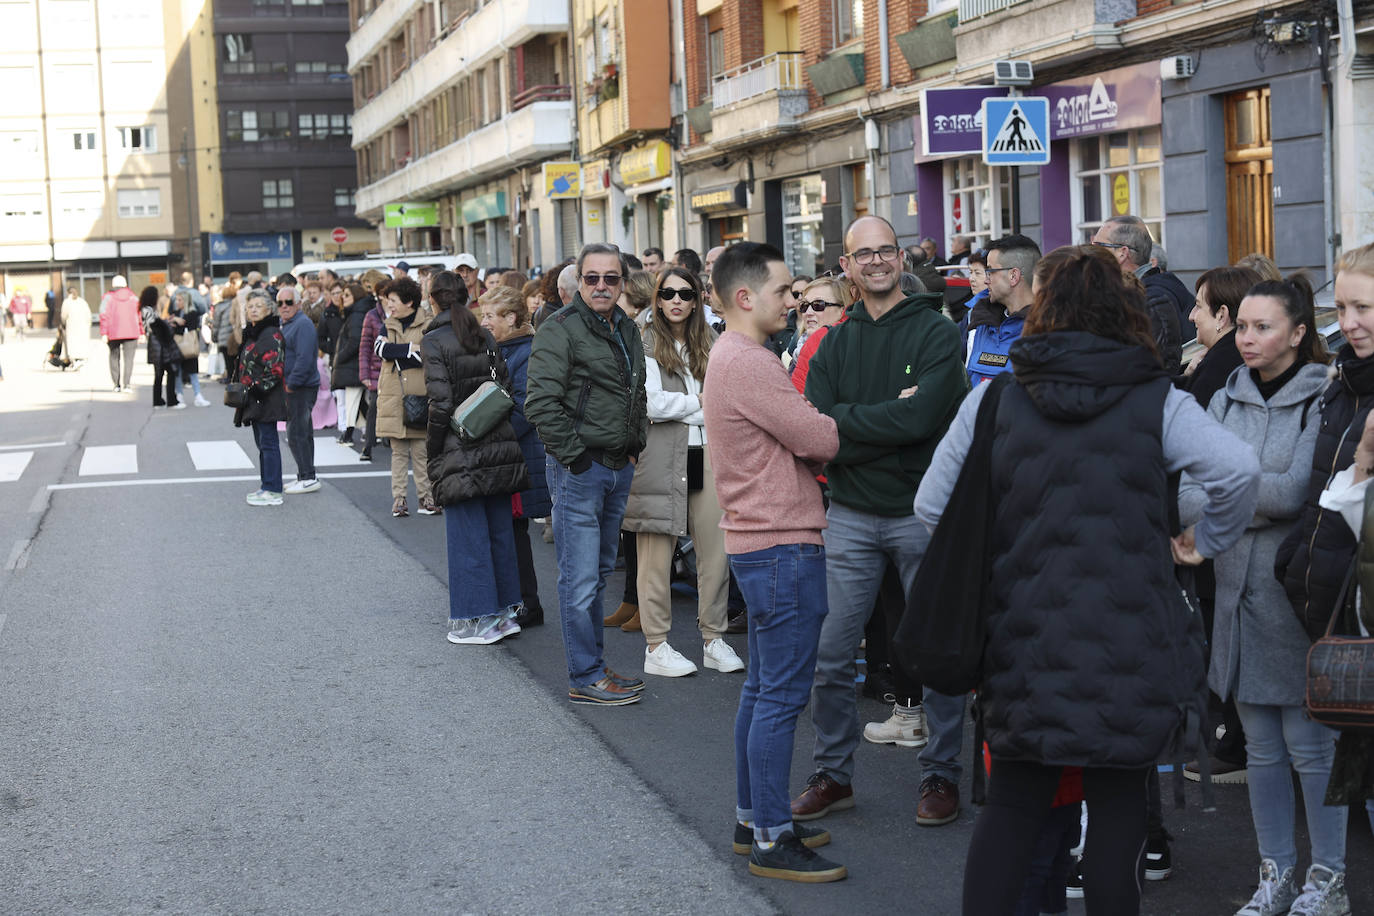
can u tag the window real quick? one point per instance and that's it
(323, 126)
(254, 126)
(343, 197)
(849, 20)
(139, 203)
(82, 204)
(143, 139)
(318, 66)
(1117, 174)
(802, 240)
(978, 200)
(83, 139)
(19, 206)
(276, 194)
(307, 2)
(19, 143)
(715, 53)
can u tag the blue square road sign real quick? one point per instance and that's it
(1016, 131)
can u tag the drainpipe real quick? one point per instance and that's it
(884, 63)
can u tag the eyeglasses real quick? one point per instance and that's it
(866, 255)
(993, 270)
(597, 279)
(815, 305)
(686, 294)
(794, 294)
(1110, 245)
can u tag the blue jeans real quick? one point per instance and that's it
(189, 369)
(482, 575)
(587, 511)
(787, 606)
(1278, 738)
(300, 431)
(858, 546)
(269, 455)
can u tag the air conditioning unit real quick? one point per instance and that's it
(1177, 68)
(1012, 73)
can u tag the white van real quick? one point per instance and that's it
(385, 263)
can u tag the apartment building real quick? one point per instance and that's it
(463, 127)
(94, 115)
(1204, 118)
(281, 136)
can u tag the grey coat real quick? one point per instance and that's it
(1259, 650)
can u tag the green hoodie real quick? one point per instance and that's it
(886, 442)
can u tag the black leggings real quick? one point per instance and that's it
(1005, 835)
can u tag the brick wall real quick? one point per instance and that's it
(1149, 7)
(903, 16)
(817, 27)
(743, 31)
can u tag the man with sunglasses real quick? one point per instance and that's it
(892, 379)
(995, 323)
(586, 398)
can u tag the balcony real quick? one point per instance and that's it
(537, 131)
(761, 97)
(1037, 30)
(534, 94)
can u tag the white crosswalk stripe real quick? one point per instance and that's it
(218, 455)
(329, 453)
(12, 465)
(109, 459)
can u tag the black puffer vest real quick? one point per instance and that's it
(1093, 657)
(1313, 560)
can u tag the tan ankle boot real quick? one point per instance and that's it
(631, 625)
(621, 615)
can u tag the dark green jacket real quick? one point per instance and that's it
(886, 442)
(586, 386)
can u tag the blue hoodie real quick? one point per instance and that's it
(302, 347)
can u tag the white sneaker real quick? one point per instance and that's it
(667, 662)
(201, 402)
(1323, 894)
(264, 498)
(179, 405)
(1275, 894)
(904, 728)
(298, 486)
(717, 654)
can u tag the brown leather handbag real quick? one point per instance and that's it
(1340, 669)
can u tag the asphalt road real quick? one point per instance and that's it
(214, 708)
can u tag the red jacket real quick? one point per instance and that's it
(803, 364)
(119, 318)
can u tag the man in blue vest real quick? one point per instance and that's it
(995, 323)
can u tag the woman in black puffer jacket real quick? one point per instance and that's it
(473, 481)
(344, 378)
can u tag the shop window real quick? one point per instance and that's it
(978, 200)
(859, 182)
(803, 242)
(1117, 174)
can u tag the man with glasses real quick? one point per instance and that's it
(1166, 298)
(995, 323)
(891, 378)
(587, 400)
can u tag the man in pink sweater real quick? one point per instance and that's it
(758, 428)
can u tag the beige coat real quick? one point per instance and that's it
(393, 385)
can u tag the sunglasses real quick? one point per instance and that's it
(815, 305)
(668, 294)
(597, 279)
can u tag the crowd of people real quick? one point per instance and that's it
(628, 408)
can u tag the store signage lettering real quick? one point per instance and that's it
(645, 163)
(952, 119)
(410, 214)
(729, 197)
(562, 180)
(1121, 195)
(594, 178)
(1121, 99)
(249, 247)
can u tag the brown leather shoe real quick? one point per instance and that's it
(621, 615)
(822, 796)
(631, 625)
(939, 802)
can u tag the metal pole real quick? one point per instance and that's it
(190, 229)
(1016, 200)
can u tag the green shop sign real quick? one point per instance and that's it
(488, 206)
(410, 214)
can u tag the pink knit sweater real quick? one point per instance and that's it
(767, 445)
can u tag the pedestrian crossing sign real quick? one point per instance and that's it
(1016, 131)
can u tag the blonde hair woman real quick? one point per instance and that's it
(821, 305)
(674, 492)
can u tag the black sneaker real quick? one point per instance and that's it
(1073, 888)
(811, 837)
(1159, 865)
(792, 861)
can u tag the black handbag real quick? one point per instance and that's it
(941, 637)
(1340, 669)
(235, 395)
(416, 410)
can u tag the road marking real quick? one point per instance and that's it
(11, 448)
(109, 459)
(218, 455)
(12, 465)
(19, 556)
(329, 452)
(161, 481)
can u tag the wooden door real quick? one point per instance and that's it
(1249, 175)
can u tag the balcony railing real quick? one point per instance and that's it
(548, 93)
(973, 9)
(772, 73)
